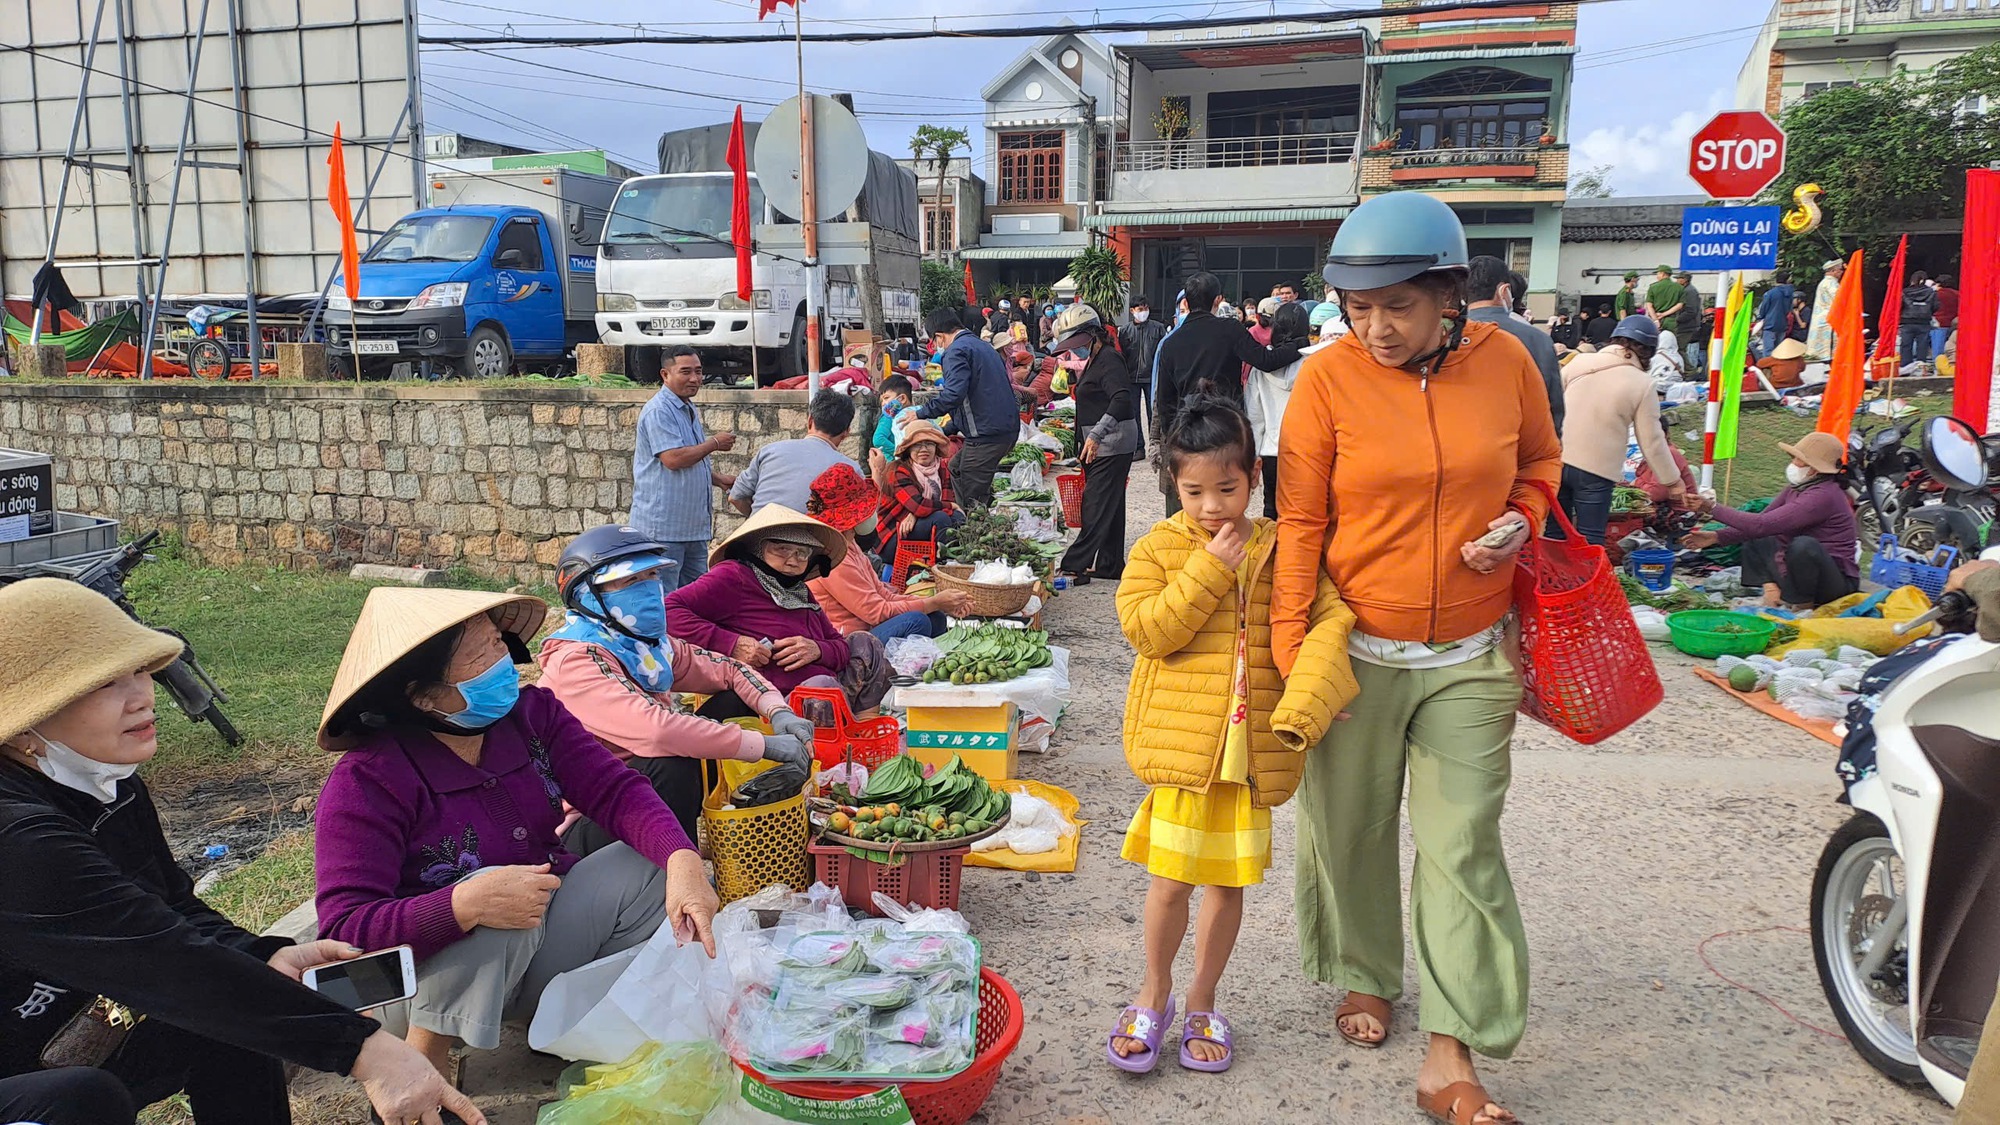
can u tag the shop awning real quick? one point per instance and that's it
(1019, 253)
(1209, 218)
(1471, 53)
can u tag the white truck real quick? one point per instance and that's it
(666, 272)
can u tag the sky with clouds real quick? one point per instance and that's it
(1649, 72)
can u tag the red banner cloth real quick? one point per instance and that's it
(739, 206)
(970, 297)
(336, 198)
(1979, 300)
(766, 7)
(1850, 356)
(1889, 324)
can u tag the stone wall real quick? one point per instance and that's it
(327, 475)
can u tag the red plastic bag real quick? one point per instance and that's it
(1586, 669)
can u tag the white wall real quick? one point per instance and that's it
(1577, 257)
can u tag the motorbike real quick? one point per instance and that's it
(1882, 477)
(193, 691)
(1906, 898)
(1959, 499)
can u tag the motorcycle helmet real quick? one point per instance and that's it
(1393, 238)
(605, 554)
(1639, 329)
(1072, 328)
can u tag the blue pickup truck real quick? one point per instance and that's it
(498, 273)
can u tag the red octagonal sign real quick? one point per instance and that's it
(1737, 154)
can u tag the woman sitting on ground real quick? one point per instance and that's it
(1801, 549)
(1606, 396)
(921, 504)
(614, 667)
(853, 595)
(438, 826)
(95, 915)
(755, 604)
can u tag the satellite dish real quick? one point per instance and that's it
(840, 159)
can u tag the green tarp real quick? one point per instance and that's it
(82, 344)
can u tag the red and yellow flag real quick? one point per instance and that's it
(336, 197)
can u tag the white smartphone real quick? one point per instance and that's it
(368, 981)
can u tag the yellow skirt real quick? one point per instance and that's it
(1212, 839)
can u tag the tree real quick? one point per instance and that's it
(1594, 183)
(943, 287)
(1888, 154)
(1099, 274)
(938, 143)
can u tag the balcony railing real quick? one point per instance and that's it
(1458, 157)
(1907, 11)
(1234, 152)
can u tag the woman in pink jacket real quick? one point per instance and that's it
(614, 667)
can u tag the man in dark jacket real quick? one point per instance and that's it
(1919, 306)
(1687, 324)
(1139, 341)
(979, 396)
(1206, 347)
(1490, 300)
(1025, 314)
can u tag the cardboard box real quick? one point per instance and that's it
(987, 738)
(27, 495)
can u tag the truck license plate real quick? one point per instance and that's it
(676, 324)
(375, 347)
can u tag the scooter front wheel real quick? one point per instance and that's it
(1857, 899)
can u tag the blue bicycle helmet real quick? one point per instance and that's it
(604, 554)
(1393, 238)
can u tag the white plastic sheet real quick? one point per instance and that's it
(659, 992)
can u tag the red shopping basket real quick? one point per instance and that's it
(873, 741)
(1587, 671)
(911, 552)
(1069, 486)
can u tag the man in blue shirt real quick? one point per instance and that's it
(979, 396)
(671, 473)
(1773, 311)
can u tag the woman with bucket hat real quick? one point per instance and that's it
(614, 667)
(921, 505)
(1417, 452)
(438, 827)
(1801, 549)
(100, 928)
(1608, 395)
(853, 594)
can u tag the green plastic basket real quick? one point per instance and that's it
(1694, 632)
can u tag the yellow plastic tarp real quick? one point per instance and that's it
(1827, 629)
(1060, 861)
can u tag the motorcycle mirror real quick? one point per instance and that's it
(1953, 454)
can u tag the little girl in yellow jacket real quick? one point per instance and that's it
(1210, 724)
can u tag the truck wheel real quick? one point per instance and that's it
(487, 355)
(792, 357)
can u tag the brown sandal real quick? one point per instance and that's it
(1362, 1004)
(1461, 1104)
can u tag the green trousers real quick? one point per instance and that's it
(1450, 729)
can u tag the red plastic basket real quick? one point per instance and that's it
(1586, 670)
(948, 1101)
(922, 879)
(1069, 486)
(874, 741)
(911, 552)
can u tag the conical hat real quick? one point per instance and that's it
(396, 619)
(770, 518)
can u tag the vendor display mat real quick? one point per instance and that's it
(1818, 728)
(1060, 861)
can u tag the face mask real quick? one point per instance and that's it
(640, 608)
(72, 770)
(865, 528)
(1139, 316)
(1799, 474)
(491, 694)
(891, 406)
(1180, 318)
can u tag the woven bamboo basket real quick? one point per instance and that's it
(987, 600)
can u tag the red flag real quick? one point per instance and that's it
(739, 206)
(1971, 396)
(336, 197)
(766, 7)
(1889, 324)
(1843, 386)
(971, 298)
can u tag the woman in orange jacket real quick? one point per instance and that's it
(1412, 465)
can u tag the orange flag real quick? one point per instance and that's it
(336, 197)
(1850, 356)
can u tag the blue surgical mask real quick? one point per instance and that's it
(489, 696)
(1180, 318)
(641, 608)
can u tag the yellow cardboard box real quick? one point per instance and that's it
(987, 738)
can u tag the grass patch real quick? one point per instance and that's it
(267, 888)
(1759, 469)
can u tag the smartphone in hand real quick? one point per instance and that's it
(368, 981)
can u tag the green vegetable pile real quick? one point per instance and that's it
(1025, 496)
(1625, 498)
(1671, 601)
(900, 804)
(988, 654)
(1063, 433)
(1784, 634)
(987, 534)
(1025, 453)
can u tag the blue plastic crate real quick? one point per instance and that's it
(1890, 571)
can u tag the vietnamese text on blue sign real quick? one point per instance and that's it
(1729, 238)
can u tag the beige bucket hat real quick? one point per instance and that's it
(1822, 451)
(395, 620)
(59, 642)
(775, 521)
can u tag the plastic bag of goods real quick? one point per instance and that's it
(909, 656)
(1033, 826)
(666, 1083)
(999, 573)
(1652, 623)
(1027, 475)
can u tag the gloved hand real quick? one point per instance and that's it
(788, 723)
(787, 750)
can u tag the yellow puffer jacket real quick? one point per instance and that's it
(1177, 606)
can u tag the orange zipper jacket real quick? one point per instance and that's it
(1383, 475)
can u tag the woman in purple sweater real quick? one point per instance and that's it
(437, 828)
(1801, 549)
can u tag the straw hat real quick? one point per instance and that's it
(919, 432)
(1820, 450)
(60, 642)
(775, 521)
(395, 620)
(1788, 348)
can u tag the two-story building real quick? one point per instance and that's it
(1808, 46)
(951, 207)
(1044, 142)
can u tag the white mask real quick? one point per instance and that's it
(1799, 474)
(72, 770)
(1139, 316)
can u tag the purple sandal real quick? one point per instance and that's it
(1146, 1025)
(1211, 1028)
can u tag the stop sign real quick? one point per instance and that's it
(1737, 154)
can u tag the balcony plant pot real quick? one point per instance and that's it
(1548, 139)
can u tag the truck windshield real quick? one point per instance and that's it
(432, 238)
(680, 210)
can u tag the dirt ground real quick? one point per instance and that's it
(1654, 869)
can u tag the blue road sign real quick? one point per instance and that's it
(1729, 238)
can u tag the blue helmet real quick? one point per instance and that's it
(603, 554)
(1393, 238)
(1639, 329)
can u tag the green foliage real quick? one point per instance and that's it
(1313, 286)
(1888, 154)
(1099, 274)
(943, 286)
(1593, 183)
